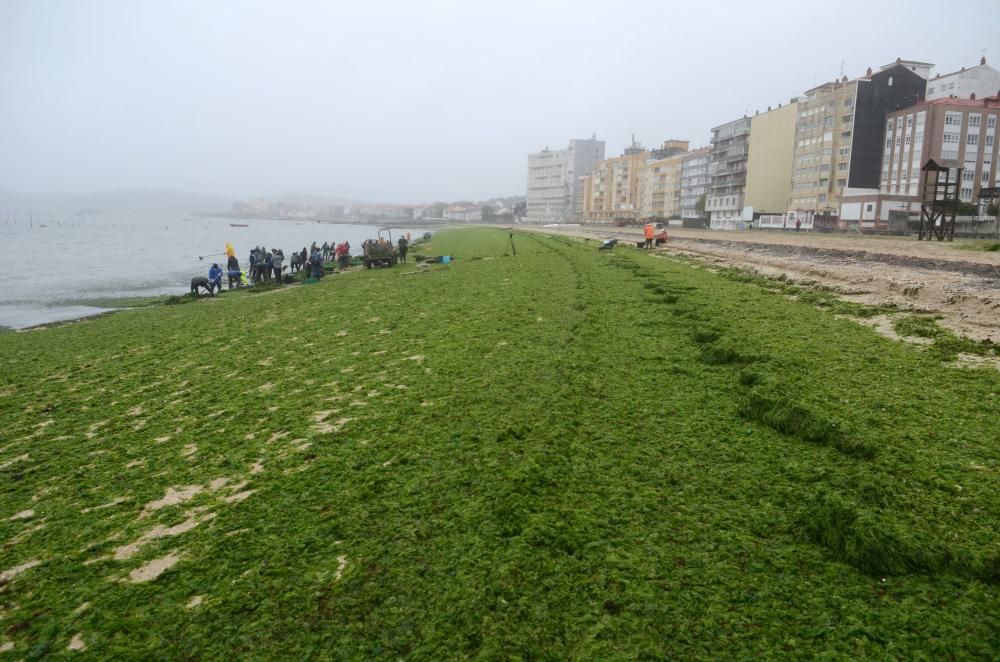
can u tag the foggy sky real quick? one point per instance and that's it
(413, 101)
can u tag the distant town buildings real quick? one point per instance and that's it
(494, 210)
(819, 159)
(554, 178)
(464, 213)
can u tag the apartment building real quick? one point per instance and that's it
(839, 133)
(961, 133)
(771, 153)
(982, 80)
(724, 204)
(613, 188)
(696, 177)
(580, 199)
(553, 177)
(660, 181)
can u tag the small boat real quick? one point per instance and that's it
(239, 225)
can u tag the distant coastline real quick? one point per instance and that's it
(400, 222)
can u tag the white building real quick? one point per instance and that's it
(553, 178)
(696, 178)
(983, 81)
(464, 214)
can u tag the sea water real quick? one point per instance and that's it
(56, 269)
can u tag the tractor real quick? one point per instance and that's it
(380, 252)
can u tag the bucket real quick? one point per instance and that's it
(445, 259)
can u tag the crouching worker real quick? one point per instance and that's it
(215, 278)
(200, 282)
(234, 272)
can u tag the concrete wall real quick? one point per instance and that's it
(769, 166)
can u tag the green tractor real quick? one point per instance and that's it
(380, 252)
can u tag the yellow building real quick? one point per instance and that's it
(771, 159)
(823, 147)
(612, 190)
(660, 188)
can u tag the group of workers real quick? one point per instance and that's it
(650, 235)
(267, 265)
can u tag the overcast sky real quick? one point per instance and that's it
(417, 100)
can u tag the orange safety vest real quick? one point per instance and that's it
(649, 230)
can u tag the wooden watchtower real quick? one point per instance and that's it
(939, 205)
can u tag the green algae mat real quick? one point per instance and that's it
(570, 453)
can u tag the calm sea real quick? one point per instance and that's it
(51, 269)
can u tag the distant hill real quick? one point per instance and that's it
(180, 202)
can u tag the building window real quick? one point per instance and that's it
(966, 194)
(845, 134)
(974, 119)
(846, 118)
(953, 119)
(888, 143)
(888, 126)
(930, 90)
(909, 121)
(950, 138)
(842, 167)
(989, 140)
(841, 183)
(897, 141)
(907, 141)
(972, 139)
